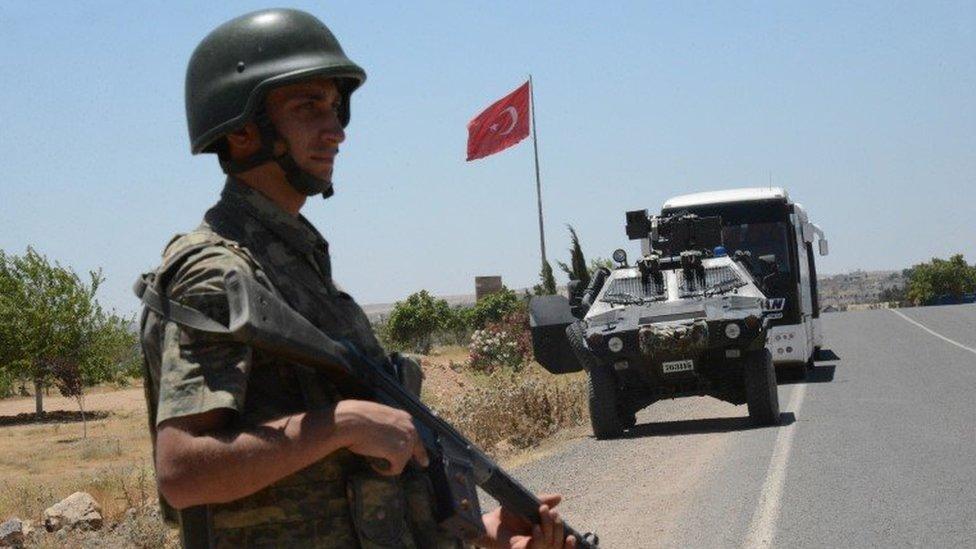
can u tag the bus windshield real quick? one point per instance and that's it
(760, 239)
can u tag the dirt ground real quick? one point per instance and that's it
(40, 463)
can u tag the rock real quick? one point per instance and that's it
(13, 532)
(77, 511)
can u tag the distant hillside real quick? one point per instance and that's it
(840, 290)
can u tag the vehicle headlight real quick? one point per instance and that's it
(615, 344)
(732, 330)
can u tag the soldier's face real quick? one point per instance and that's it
(306, 115)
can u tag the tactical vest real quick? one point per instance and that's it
(337, 502)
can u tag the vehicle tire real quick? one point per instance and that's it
(762, 395)
(604, 416)
(603, 394)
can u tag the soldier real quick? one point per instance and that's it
(253, 450)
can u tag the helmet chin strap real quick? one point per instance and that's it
(302, 181)
(299, 179)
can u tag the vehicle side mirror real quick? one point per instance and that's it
(823, 246)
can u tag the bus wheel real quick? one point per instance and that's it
(762, 395)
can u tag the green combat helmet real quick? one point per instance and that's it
(235, 66)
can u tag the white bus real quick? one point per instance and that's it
(765, 221)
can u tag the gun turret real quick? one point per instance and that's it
(669, 236)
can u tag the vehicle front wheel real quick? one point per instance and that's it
(604, 397)
(604, 416)
(762, 395)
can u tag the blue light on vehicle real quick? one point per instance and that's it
(719, 251)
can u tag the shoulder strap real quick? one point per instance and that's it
(150, 288)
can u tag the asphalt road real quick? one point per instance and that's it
(877, 449)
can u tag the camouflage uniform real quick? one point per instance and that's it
(337, 502)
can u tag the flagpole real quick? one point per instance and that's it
(538, 184)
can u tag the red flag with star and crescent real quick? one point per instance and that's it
(503, 124)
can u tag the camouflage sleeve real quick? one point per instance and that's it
(199, 371)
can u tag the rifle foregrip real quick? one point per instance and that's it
(517, 499)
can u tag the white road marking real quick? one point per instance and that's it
(763, 525)
(933, 332)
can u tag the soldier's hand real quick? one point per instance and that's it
(380, 432)
(508, 531)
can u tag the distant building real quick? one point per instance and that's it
(486, 285)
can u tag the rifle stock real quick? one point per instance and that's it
(262, 320)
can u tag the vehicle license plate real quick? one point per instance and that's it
(678, 366)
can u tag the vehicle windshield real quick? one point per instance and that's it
(630, 290)
(718, 280)
(760, 239)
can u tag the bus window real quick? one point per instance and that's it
(760, 239)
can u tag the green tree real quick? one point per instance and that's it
(456, 324)
(52, 328)
(105, 350)
(577, 269)
(547, 282)
(494, 307)
(940, 277)
(413, 322)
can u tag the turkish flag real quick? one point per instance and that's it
(503, 124)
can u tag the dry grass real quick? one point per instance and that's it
(505, 412)
(40, 464)
(445, 375)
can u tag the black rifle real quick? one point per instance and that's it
(262, 320)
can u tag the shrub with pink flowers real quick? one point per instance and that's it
(505, 343)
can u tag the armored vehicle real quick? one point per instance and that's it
(687, 319)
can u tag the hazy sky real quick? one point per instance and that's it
(866, 114)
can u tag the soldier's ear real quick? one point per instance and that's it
(244, 142)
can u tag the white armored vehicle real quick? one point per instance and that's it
(687, 319)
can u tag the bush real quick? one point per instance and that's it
(517, 410)
(506, 343)
(493, 308)
(940, 277)
(413, 322)
(456, 326)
